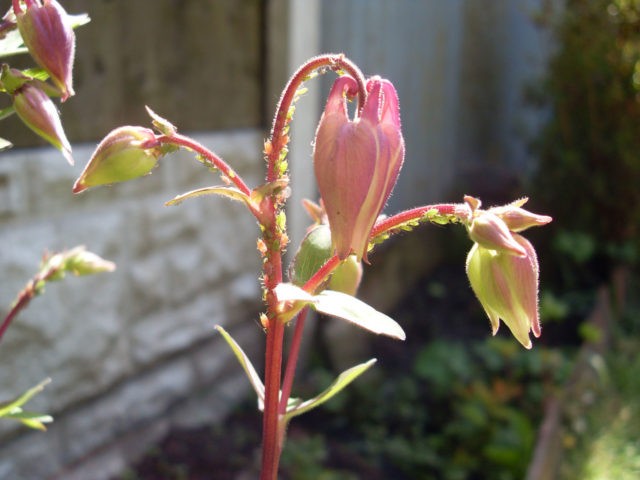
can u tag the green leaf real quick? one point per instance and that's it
(31, 419)
(288, 292)
(7, 112)
(346, 307)
(259, 193)
(230, 192)
(6, 407)
(13, 408)
(12, 44)
(291, 299)
(344, 379)
(5, 144)
(246, 364)
(163, 125)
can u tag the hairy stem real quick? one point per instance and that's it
(439, 213)
(274, 238)
(292, 360)
(208, 156)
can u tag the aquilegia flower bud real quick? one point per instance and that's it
(518, 219)
(502, 266)
(39, 113)
(507, 287)
(125, 153)
(47, 33)
(357, 161)
(314, 251)
(491, 232)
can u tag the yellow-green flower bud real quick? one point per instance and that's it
(125, 153)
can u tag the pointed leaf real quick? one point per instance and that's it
(259, 193)
(31, 419)
(341, 305)
(291, 299)
(344, 379)
(246, 364)
(288, 292)
(162, 124)
(7, 112)
(230, 192)
(5, 144)
(6, 408)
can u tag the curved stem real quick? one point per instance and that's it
(209, 156)
(274, 238)
(278, 138)
(24, 297)
(438, 213)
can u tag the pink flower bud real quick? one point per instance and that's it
(47, 33)
(518, 219)
(39, 113)
(491, 232)
(507, 287)
(125, 153)
(357, 161)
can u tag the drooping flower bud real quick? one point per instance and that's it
(47, 33)
(125, 153)
(507, 287)
(39, 113)
(357, 161)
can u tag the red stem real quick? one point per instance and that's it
(211, 157)
(273, 238)
(458, 210)
(24, 297)
(278, 138)
(292, 360)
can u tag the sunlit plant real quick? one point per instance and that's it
(44, 30)
(357, 161)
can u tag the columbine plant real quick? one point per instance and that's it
(356, 161)
(45, 31)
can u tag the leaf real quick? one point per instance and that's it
(7, 112)
(344, 379)
(5, 144)
(288, 292)
(291, 299)
(230, 192)
(341, 305)
(13, 408)
(259, 193)
(7, 407)
(246, 364)
(31, 419)
(163, 125)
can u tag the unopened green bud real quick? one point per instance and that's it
(347, 276)
(314, 251)
(124, 154)
(79, 262)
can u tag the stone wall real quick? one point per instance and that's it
(133, 352)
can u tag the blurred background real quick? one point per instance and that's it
(499, 99)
